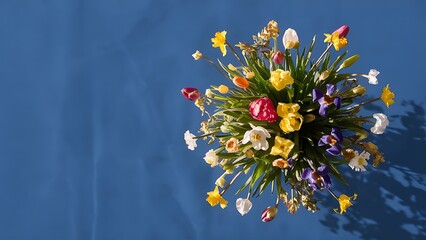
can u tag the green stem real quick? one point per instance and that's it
(217, 68)
(231, 182)
(363, 103)
(332, 193)
(322, 55)
(235, 53)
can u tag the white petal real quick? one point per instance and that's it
(246, 138)
(243, 206)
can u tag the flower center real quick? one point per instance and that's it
(328, 99)
(332, 141)
(256, 137)
(361, 161)
(316, 177)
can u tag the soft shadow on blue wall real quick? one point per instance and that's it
(92, 121)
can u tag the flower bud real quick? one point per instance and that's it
(191, 93)
(223, 89)
(249, 153)
(308, 118)
(232, 67)
(241, 82)
(269, 214)
(348, 62)
(249, 75)
(343, 31)
(324, 74)
(359, 90)
(278, 57)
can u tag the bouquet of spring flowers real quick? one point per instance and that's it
(289, 121)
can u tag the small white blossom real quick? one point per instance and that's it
(190, 140)
(372, 76)
(220, 182)
(197, 55)
(211, 158)
(257, 136)
(243, 206)
(359, 162)
(381, 123)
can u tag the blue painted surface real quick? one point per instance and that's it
(92, 121)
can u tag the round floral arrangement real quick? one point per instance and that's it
(289, 121)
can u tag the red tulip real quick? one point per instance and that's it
(191, 93)
(263, 109)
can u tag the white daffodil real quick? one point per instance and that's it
(220, 182)
(211, 158)
(190, 140)
(243, 206)
(359, 162)
(290, 39)
(381, 123)
(372, 77)
(197, 55)
(257, 136)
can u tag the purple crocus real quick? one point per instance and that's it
(318, 179)
(326, 100)
(333, 140)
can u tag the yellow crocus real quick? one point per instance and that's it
(387, 96)
(280, 79)
(345, 202)
(282, 147)
(219, 41)
(215, 198)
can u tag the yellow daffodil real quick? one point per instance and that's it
(291, 122)
(345, 202)
(338, 42)
(280, 79)
(215, 198)
(387, 96)
(219, 41)
(282, 147)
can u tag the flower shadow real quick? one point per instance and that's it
(392, 196)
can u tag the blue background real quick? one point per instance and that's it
(92, 120)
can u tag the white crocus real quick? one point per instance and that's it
(257, 136)
(359, 162)
(243, 206)
(211, 158)
(372, 77)
(190, 140)
(381, 123)
(290, 39)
